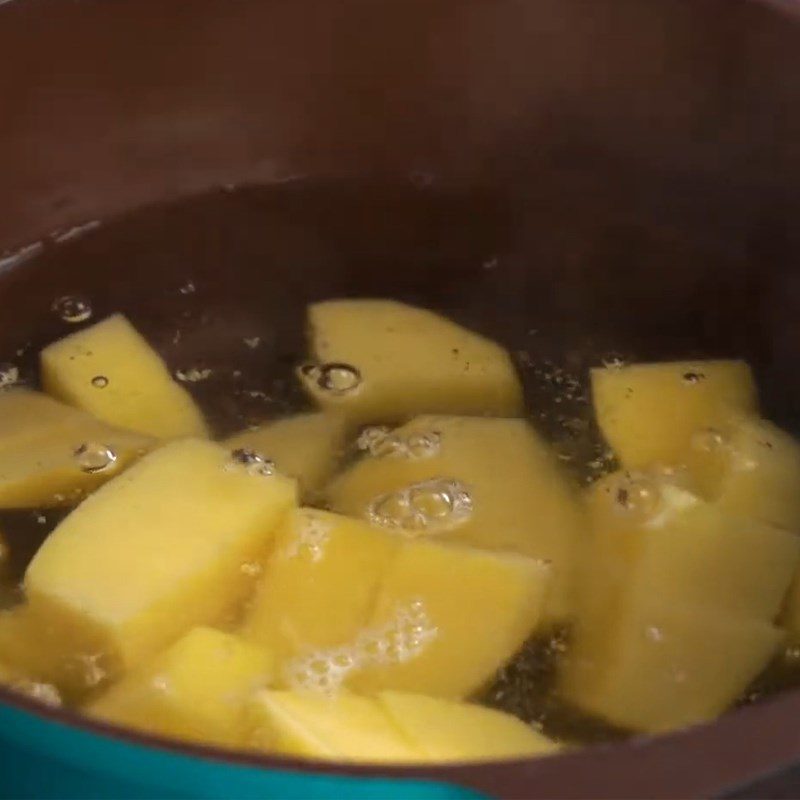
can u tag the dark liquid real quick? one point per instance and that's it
(220, 282)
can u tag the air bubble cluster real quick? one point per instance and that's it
(408, 633)
(9, 375)
(310, 538)
(380, 441)
(429, 506)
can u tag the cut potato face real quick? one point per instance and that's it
(195, 690)
(305, 446)
(649, 413)
(442, 730)
(448, 617)
(666, 571)
(52, 455)
(344, 727)
(319, 586)
(392, 727)
(161, 548)
(382, 361)
(672, 666)
(112, 372)
(506, 492)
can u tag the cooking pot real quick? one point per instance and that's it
(573, 177)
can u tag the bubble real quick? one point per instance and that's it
(431, 506)
(334, 378)
(431, 503)
(43, 692)
(407, 633)
(162, 684)
(252, 341)
(72, 308)
(188, 288)
(654, 634)
(251, 568)
(423, 445)
(99, 381)
(254, 463)
(375, 440)
(90, 668)
(192, 375)
(323, 671)
(309, 540)
(9, 375)
(93, 457)
(708, 440)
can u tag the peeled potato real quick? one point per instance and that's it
(520, 500)
(443, 730)
(649, 413)
(671, 666)
(112, 372)
(51, 454)
(305, 446)
(392, 727)
(383, 361)
(195, 690)
(159, 549)
(670, 586)
(344, 727)
(447, 617)
(319, 585)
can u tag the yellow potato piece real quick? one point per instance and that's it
(410, 361)
(443, 730)
(52, 454)
(344, 727)
(138, 392)
(664, 572)
(320, 583)
(521, 501)
(305, 446)
(672, 666)
(447, 617)
(195, 690)
(649, 413)
(685, 550)
(155, 551)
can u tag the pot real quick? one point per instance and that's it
(573, 178)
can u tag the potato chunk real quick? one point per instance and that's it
(305, 446)
(520, 500)
(672, 666)
(320, 583)
(648, 413)
(157, 550)
(408, 361)
(195, 690)
(446, 731)
(664, 572)
(51, 454)
(447, 617)
(112, 372)
(345, 727)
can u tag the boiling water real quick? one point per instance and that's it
(219, 285)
